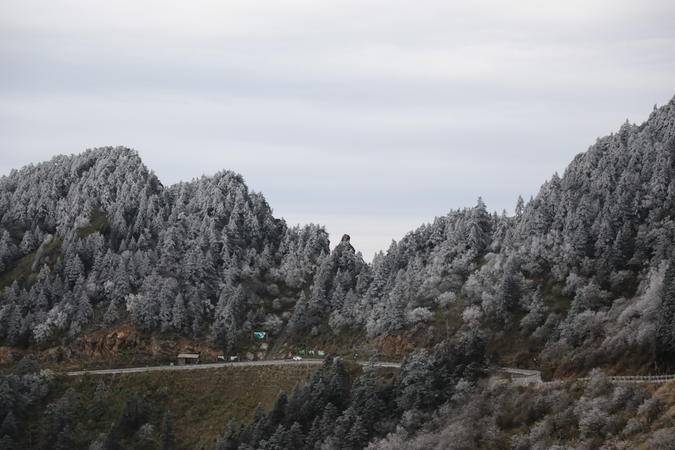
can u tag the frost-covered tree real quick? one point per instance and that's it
(228, 313)
(665, 326)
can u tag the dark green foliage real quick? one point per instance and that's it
(315, 435)
(328, 418)
(168, 435)
(665, 334)
(98, 223)
(7, 443)
(21, 393)
(358, 434)
(295, 437)
(597, 414)
(428, 380)
(113, 439)
(9, 426)
(342, 413)
(316, 410)
(27, 365)
(134, 414)
(230, 439)
(98, 404)
(58, 423)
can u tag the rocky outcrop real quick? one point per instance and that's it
(115, 344)
(344, 243)
(10, 355)
(109, 342)
(394, 346)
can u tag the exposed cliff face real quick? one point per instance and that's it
(120, 344)
(111, 342)
(9, 355)
(394, 346)
(345, 244)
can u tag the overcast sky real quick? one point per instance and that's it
(370, 117)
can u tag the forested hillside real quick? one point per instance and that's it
(94, 239)
(582, 271)
(580, 276)
(439, 399)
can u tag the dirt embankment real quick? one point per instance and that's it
(126, 346)
(394, 346)
(123, 344)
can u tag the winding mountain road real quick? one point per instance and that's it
(271, 362)
(517, 376)
(528, 377)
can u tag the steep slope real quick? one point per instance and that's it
(582, 276)
(579, 277)
(95, 239)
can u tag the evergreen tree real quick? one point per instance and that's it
(178, 313)
(665, 334)
(358, 435)
(98, 404)
(9, 426)
(328, 418)
(295, 438)
(479, 228)
(315, 435)
(278, 440)
(168, 435)
(228, 315)
(520, 207)
(7, 443)
(7, 250)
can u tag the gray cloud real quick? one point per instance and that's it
(368, 116)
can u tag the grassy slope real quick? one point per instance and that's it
(201, 401)
(98, 222)
(22, 272)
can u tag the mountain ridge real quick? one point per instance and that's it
(208, 259)
(100, 264)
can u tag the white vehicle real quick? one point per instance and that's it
(297, 358)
